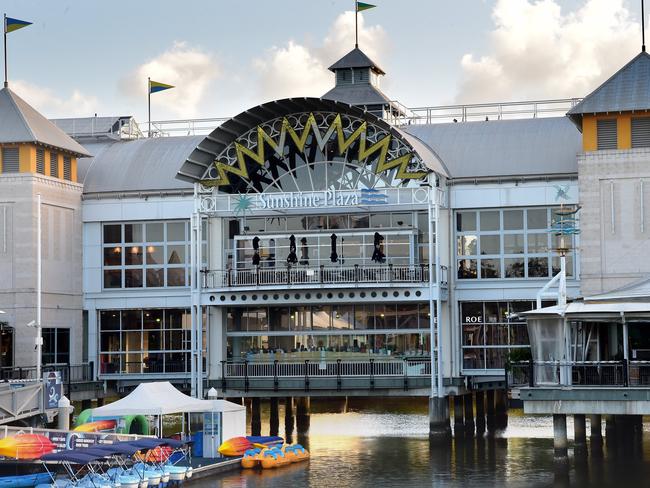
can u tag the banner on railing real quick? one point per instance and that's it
(52, 389)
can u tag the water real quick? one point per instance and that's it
(373, 446)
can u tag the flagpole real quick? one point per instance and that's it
(356, 25)
(5, 45)
(149, 102)
(642, 27)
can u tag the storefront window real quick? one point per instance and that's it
(490, 330)
(144, 341)
(509, 244)
(147, 255)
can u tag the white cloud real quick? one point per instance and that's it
(539, 51)
(188, 68)
(296, 70)
(52, 106)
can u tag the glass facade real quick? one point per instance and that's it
(145, 341)
(329, 330)
(510, 244)
(146, 254)
(404, 239)
(491, 331)
(56, 345)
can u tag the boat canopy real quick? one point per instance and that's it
(161, 398)
(73, 456)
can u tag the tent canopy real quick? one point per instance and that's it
(161, 398)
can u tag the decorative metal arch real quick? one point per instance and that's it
(302, 145)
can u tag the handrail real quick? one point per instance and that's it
(334, 368)
(312, 275)
(608, 373)
(398, 114)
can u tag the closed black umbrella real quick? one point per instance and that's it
(292, 258)
(256, 254)
(304, 252)
(377, 255)
(334, 257)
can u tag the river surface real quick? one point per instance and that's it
(385, 445)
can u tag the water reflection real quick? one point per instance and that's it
(368, 447)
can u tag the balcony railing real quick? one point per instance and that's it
(621, 373)
(322, 275)
(326, 374)
(70, 373)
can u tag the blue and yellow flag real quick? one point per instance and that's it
(364, 6)
(156, 86)
(15, 24)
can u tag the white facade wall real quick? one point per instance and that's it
(61, 260)
(97, 212)
(615, 218)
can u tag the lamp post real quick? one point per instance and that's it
(39, 330)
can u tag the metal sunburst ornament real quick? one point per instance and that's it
(243, 204)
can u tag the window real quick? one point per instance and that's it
(494, 244)
(54, 164)
(10, 160)
(40, 161)
(67, 168)
(141, 341)
(640, 132)
(56, 345)
(490, 331)
(146, 254)
(606, 134)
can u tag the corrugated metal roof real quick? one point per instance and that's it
(357, 94)
(526, 147)
(626, 90)
(138, 165)
(19, 122)
(356, 59)
(639, 290)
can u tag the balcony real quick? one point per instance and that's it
(362, 376)
(319, 277)
(544, 374)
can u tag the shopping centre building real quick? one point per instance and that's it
(346, 227)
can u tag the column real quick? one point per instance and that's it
(274, 418)
(559, 435)
(580, 430)
(256, 419)
(596, 430)
(439, 428)
(302, 414)
(489, 404)
(610, 430)
(459, 422)
(216, 341)
(468, 401)
(480, 413)
(288, 418)
(501, 409)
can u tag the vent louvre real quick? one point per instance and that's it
(607, 134)
(10, 161)
(54, 164)
(641, 132)
(40, 161)
(67, 168)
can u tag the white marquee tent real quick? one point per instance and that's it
(162, 398)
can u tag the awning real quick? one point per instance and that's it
(161, 398)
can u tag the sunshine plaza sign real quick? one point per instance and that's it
(315, 200)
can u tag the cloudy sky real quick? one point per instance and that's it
(83, 57)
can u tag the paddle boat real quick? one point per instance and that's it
(237, 446)
(274, 457)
